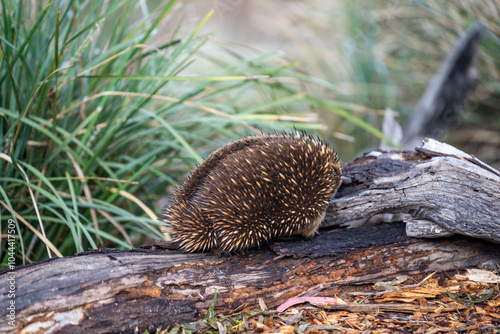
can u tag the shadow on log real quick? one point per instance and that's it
(123, 291)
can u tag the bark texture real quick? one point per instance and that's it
(436, 189)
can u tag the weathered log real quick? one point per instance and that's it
(120, 291)
(437, 190)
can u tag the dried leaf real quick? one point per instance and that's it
(311, 300)
(481, 275)
(262, 304)
(287, 329)
(382, 286)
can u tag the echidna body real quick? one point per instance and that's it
(252, 190)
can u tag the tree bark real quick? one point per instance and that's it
(123, 291)
(437, 190)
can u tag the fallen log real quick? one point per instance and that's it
(121, 291)
(125, 291)
(437, 190)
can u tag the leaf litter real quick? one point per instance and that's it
(462, 303)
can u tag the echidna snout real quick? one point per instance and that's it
(252, 190)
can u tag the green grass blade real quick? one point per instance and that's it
(28, 39)
(351, 118)
(175, 78)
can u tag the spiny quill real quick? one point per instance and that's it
(252, 190)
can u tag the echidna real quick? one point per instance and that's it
(252, 190)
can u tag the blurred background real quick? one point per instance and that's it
(107, 106)
(375, 55)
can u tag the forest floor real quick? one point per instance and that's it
(466, 302)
